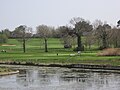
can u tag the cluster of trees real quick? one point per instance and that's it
(4, 35)
(80, 32)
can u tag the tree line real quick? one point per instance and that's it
(80, 32)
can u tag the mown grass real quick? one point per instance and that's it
(35, 54)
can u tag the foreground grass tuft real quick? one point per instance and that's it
(110, 52)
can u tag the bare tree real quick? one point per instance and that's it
(3, 37)
(80, 27)
(7, 32)
(95, 24)
(115, 37)
(102, 33)
(44, 31)
(89, 39)
(65, 36)
(22, 34)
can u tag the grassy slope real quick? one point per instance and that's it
(35, 53)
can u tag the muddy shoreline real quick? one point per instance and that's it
(83, 66)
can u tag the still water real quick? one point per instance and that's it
(52, 78)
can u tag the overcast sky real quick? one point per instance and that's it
(56, 12)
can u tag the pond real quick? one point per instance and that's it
(54, 78)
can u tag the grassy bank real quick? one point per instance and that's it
(35, 54)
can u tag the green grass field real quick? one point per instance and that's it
(35, 53)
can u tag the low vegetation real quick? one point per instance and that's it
(110, 52)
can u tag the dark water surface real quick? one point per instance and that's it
(52, 78)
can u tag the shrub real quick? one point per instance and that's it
(110, 52)
(67, 46)
(3, 38)
(79, 49)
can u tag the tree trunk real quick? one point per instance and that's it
(24, 49)
(79, 48)
(116, 43)
(104, 42)
(89, 46)
(45, 45)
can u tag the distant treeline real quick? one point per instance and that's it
(80, 32)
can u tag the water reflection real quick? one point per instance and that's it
(46, 78)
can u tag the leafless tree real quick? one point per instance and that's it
(102, 33)
(44, 32)
(7, 32)
(22, 34)
(81, 26)
(89, 39)
(115, 37)
(95, 24)
(3, 38)
(65, 36)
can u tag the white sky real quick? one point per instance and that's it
(55, 12)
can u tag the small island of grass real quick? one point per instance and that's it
(7, 71)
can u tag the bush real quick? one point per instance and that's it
(3, 38)
(110, 52)
(67, 46)
(79, 49)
